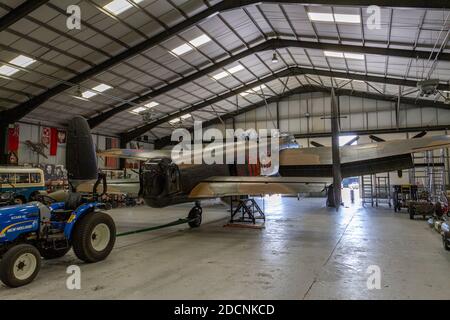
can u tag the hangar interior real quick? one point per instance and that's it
(136, 70)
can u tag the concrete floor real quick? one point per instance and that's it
(306, 251)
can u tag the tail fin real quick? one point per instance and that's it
(81, 159)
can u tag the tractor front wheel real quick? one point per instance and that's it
(94, 237)
(20, 265)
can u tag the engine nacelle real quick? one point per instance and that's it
(160, 178)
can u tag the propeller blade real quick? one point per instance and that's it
(352, 141)
(81, 160)
(377, 139)
(316, 144)
(420, 135)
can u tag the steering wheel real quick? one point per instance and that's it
(45, 199)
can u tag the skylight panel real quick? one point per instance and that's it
(323, 17)
(253, 90)
(22, 61)
(354, 56)
(230, 71)
(197, 42)
(8, 71)
(333, 54)
(347, 18)
(235, 69)
(336, 17)
(138, 110)
(88, 94)
(152, 104)
(220, 75)
(118, 6)
(100, 88)
(182, 49)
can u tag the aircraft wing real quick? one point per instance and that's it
(215, 187)
(357, 160)
(135, 154)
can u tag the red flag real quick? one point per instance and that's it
(13, 138)
(53, 141)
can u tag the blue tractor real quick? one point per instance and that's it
(34, 230)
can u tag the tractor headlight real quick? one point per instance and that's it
(5, 196)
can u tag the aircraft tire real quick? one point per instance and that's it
(196, 215)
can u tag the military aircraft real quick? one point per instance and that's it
(164, 183)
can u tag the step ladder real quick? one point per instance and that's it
(383, 189)
(367, 190)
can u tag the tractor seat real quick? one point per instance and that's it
(72, 202)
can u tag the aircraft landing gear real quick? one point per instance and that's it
(195, 215)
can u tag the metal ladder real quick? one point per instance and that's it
(383, 189)
(429, 173)
(367, 191)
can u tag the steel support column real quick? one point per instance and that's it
(337, 174)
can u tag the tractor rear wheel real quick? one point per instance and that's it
(20, 265)
(94, 237)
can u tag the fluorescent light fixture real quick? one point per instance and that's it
(8, 71)
(152, 104)
(138, 110)
(100, 88)
(220, 75)
(22, 61)
(336, 17)
(197, 42)
(118, 6)
(186, 116)
(333, 54)
(318, 16)
(182, 49)
(354, 56)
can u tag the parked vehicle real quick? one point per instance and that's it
(34, 230)
(23, 183)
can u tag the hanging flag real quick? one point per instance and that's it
(45, 138)
(61, 136)
(53, 141)
(111, 163)
(13, 138)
